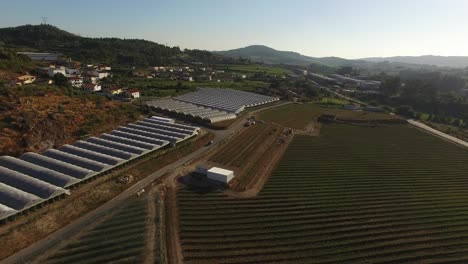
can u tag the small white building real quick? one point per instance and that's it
(76, 81)
(220, 175)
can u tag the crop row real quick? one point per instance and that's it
(119, 238)
(352, 195)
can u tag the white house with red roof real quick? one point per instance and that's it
(133, 93)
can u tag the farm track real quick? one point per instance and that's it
(344, 197)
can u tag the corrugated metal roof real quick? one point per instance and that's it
(116, 145)
(75, 160)
(92, 155)
(103, 149)
(16, 198)
(29, 184)
(57, 165)
(38, 172)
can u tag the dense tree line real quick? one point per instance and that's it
(115, 51)
(433, 93)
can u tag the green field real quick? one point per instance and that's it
(332, 101)
(121, 238)
(297, 116)
(255, 68)
(353, 195)
(154, 87)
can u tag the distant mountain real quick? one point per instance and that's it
(441, 61)
(260, 53)
(135, 52)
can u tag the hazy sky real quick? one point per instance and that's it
(343, 28)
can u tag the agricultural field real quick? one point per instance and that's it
(120, 238)
(298, 116)
(390, 194)
(255, 68)
(162, 88)
(244, 152)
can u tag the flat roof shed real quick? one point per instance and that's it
(220, 175)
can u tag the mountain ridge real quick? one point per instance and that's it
(435, 60)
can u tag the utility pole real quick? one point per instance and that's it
(44, 20)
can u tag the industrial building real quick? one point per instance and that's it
(211, 104)
(33, 179)
(40, 56)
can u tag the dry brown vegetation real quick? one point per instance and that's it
(35, 119)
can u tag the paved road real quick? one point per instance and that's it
(92, 216)
(438, 133)
(343, 96)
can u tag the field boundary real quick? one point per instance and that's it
(438, 133)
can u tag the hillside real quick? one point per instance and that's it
(441, 61)
(134, 52)
(36, 118)
(260, 53)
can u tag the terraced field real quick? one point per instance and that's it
(119, 239)
(298, 116)
(353, 195)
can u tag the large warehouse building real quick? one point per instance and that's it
(211, 104)
(33, 179)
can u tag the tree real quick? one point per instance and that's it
(60, 80)
(405, 110)
(390, 86)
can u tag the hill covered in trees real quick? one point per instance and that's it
(135, 52)
(264, 54)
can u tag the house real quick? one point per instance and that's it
(72, 71)
(133, 93)
(99, 74)
(91, 87)
(25, 79)
(75, 81)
